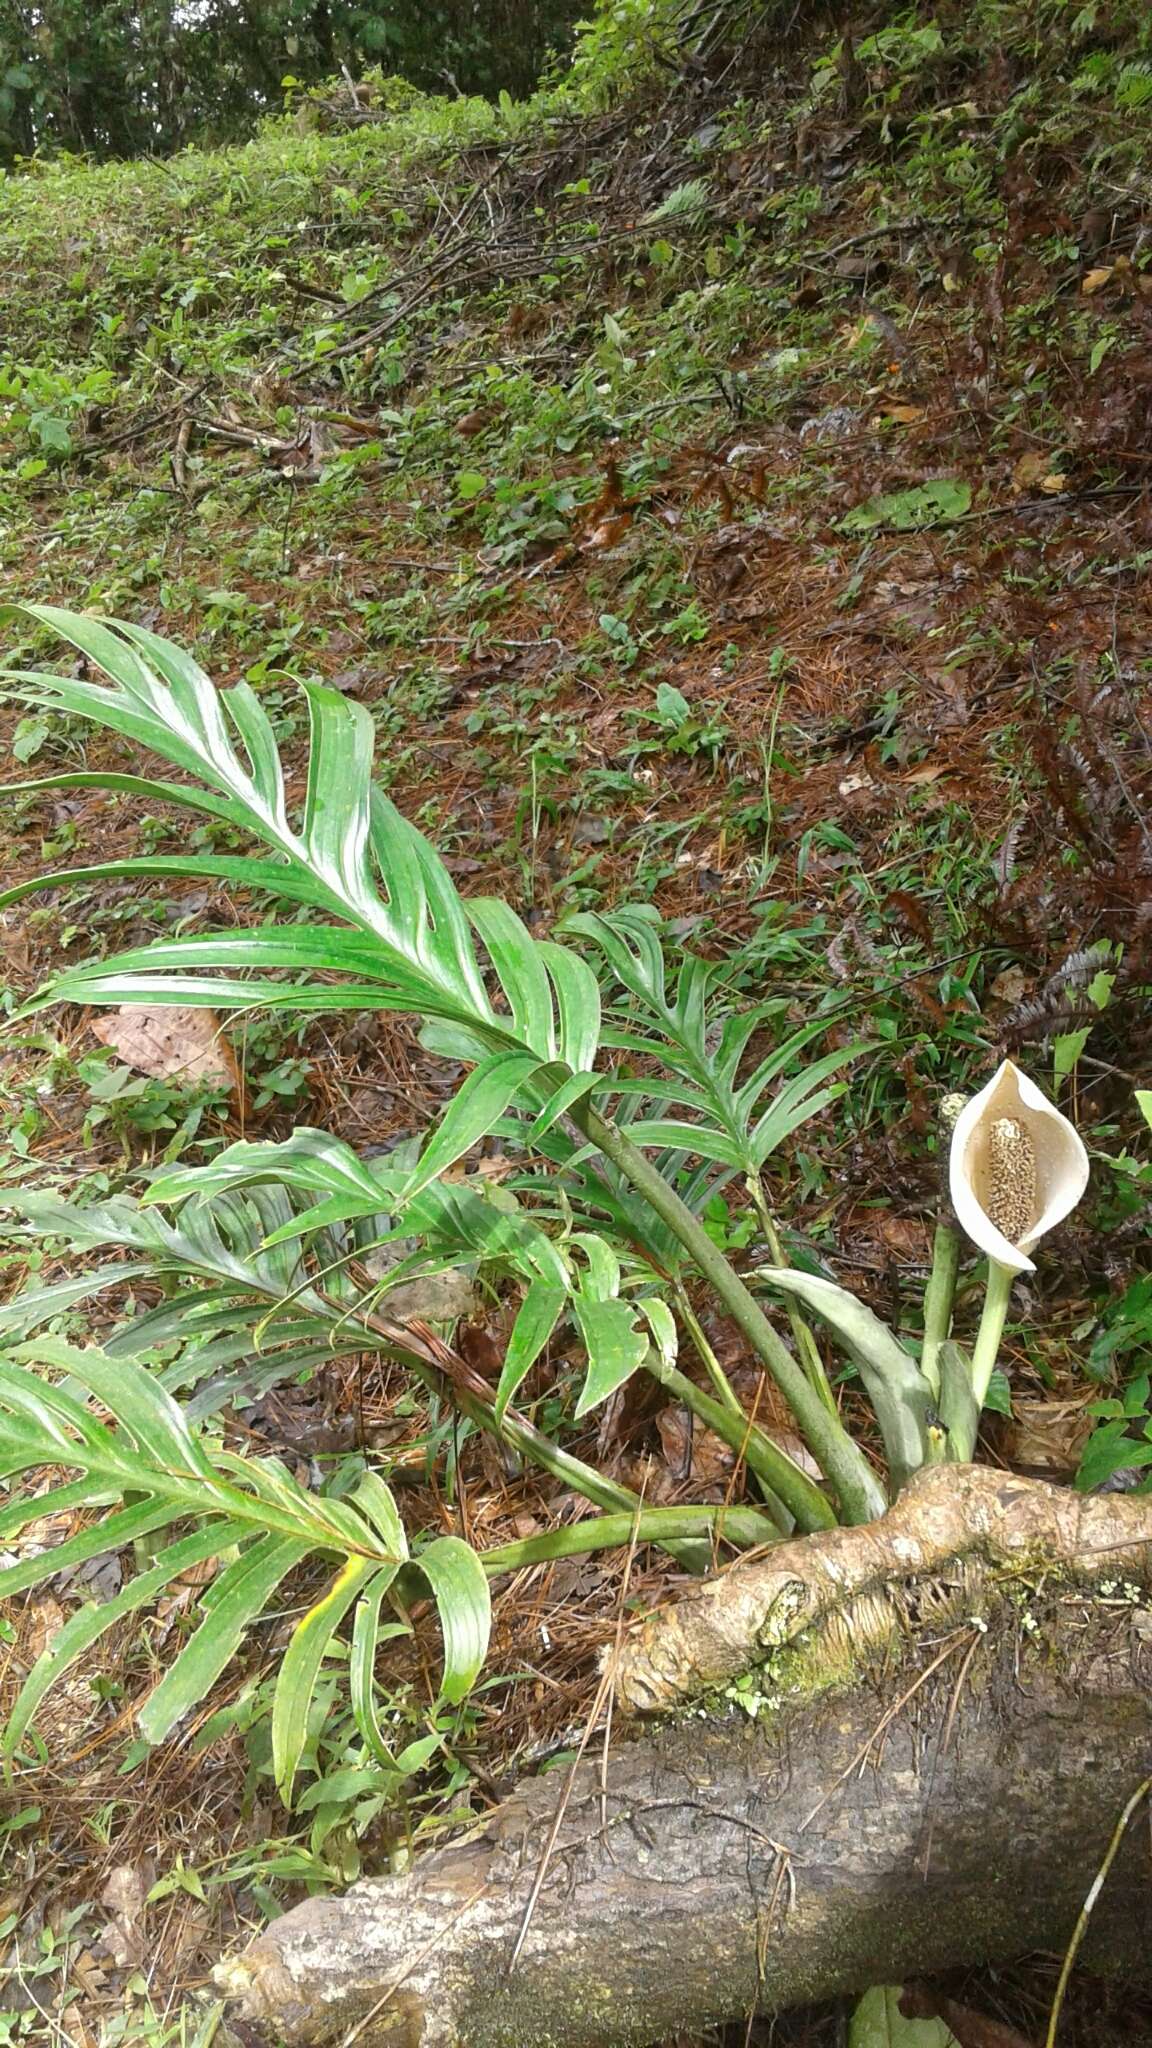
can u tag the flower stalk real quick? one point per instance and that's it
(986, 1350)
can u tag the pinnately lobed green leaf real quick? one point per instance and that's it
(349, 853)
(252, 1517)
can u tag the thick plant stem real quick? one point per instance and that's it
(857, 1488)
(787, 1482)
(986, 1349)
(803, 1337)
(743, 1526)
(938, 1297)
(694, 1555)
(476, 1401)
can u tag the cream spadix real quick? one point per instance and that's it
(1017, 1167)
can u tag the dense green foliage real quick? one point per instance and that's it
(141, 77)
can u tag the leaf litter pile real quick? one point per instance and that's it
(735, 500)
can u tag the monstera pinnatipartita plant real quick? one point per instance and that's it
(627, 1096)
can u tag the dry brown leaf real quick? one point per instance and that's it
(123, 1898)
(170, 1042)
(905, 1236)
(73, 2029)
(47, 1620)
(786, 1440)
(1028, 470)
(1048, 1436)
(1097, 279)
(683, 1443)
(903, 415)
(125, 1891)
(1011, 985)
(88, 1974)
(185, 1586)
(44, 1533)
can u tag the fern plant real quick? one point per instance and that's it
(262, 1250)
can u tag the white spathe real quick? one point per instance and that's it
(1060, 1159)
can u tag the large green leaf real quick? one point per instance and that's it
(536, 1318)
(251, 1288)
(368, 1632)
(616, 1343)
(703, 1041)
(34, 1306)
(112, 1533)
(249, 1514)
(91, 1622)
(577, 994)
(349, 852)
(239, 1598)
(698, 1138)
(478, 1104)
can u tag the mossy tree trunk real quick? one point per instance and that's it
(948, 1712)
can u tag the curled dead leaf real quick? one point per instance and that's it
(691, 1450)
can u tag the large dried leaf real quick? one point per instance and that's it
(170, 1042)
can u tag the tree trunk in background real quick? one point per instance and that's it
(967, 1711)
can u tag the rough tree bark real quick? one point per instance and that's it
(946, 1715)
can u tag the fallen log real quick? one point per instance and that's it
(881, 1752)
